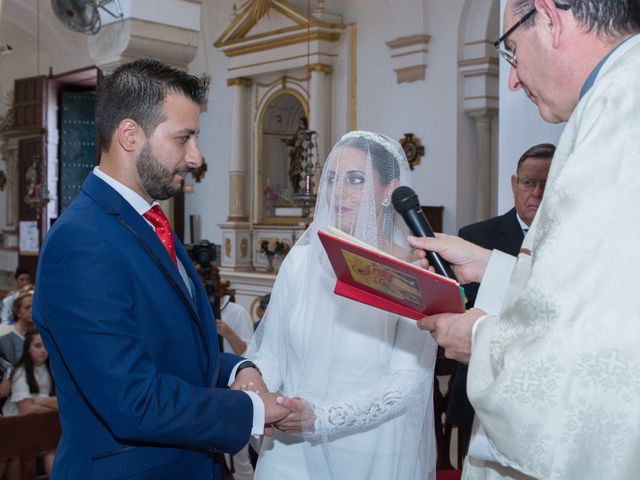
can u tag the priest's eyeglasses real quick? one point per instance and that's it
(527, 184)
(507, 54)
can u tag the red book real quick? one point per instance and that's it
(376, 278)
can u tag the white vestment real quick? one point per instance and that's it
(555, 378)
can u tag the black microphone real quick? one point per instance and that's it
(406, 203)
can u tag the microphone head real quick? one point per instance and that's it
(404, 199)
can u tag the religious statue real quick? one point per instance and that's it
(31, 177)
(296, 154)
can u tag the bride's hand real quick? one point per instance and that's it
(301, 415)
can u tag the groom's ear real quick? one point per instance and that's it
(128, 134)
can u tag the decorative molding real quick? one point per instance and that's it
(404, 54)
(410, 74)
(237, 204)
(280, 60)
(409, 57)
(265, 93)
(234, 236)
(472, 62)
(301, 38)
(276, 36)
(253, 12)
(479, 42)
(408, 41)
(318, 67)
(241, 81)
(480, 77)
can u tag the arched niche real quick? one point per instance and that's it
(277, 124)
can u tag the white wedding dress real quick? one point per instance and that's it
(368, 374)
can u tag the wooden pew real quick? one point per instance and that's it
(26, 435)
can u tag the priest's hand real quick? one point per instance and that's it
(452, 331)
(468, 260)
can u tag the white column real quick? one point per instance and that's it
(487, 196)
(319, 105)
(239, 148)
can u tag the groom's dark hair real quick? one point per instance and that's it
(137, 91)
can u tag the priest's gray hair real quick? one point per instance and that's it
(610, 18)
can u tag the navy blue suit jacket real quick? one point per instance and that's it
(500, 233)
(139, 379)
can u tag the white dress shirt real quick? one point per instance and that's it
(141, 206)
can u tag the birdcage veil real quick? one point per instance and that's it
(367, 374)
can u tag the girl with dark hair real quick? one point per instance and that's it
(32, 391)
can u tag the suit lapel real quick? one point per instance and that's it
(201, 302)
(513, 236)
(114, 204)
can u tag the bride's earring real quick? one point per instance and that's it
(386, 202)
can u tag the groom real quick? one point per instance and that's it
(141, 386)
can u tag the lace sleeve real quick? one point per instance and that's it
(407, 384)
(386, 399)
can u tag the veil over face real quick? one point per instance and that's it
(366, 374)
(354, 193)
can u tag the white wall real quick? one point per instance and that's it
(520, 128)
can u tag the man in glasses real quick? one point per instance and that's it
(505, 233)
(554, 359)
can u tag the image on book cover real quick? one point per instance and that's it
(383, 279)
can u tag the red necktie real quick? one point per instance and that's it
(159, 220)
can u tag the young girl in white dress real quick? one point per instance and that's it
(32, 391)
(360, 379)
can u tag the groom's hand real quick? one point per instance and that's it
(273, 411)
(249, 379)
(301, 416)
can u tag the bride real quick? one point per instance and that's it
(357, 379)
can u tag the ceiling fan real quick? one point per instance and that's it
(83, 15)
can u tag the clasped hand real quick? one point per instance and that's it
(288, 414)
